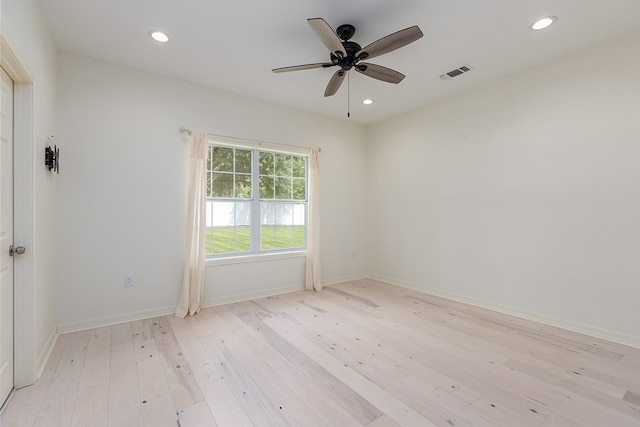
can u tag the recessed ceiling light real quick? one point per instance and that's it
(543, 23)
(367, 101)
(159, 36)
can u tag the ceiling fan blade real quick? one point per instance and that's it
(335, 83)
(303, 67)
(327, 36)
(389, 43)
(379, 72)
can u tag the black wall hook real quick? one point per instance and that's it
(52, 158)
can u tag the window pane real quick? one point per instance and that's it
(284, 214)
(222, 184)
(209, 225)
(222, 159)
(243, 213)
(243, 186)
(243, 227)
(299, 214)
(228, 227)
(220, 227)
(209, 184)
(299, 225)
(282, 225)
(243, 161)
(283, 188)
(267, 213)
(267, 185)
(266, 163)
(267, 237)
(267, 226)
(243, 239)
(221, 214)
(283, 165)
(299, 189)
(299, 167)
(299, 236)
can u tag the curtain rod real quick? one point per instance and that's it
(189, 132)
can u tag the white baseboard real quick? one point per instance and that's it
(272, 292)
(163, 311)
(616, 337)
(251, 295)
(43, 357)
(114, 320)
(344, 279)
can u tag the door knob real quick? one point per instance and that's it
(17, 250)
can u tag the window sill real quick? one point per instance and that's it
(254, 258)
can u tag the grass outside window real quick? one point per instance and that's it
(223, 240)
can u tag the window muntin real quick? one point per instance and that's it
(237, 222)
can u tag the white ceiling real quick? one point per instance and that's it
(233, 45)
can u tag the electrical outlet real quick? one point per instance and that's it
(128, 280)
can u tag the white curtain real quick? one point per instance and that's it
(314, 264)
(192, 292)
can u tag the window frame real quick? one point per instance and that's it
(256, 251)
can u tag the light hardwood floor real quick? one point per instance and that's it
(359, 353)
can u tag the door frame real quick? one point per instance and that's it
(24, 211)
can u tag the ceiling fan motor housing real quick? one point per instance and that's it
(347, 62)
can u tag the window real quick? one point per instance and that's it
(256, 201)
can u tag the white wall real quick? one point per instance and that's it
(123, 181)
(35, 188)
(522, 193)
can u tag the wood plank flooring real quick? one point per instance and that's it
(362, 353)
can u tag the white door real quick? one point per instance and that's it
(6, 237)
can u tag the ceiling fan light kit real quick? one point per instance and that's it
(347, 54)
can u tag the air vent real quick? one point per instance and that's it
(455, 73)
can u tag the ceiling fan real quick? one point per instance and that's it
(347, 54)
